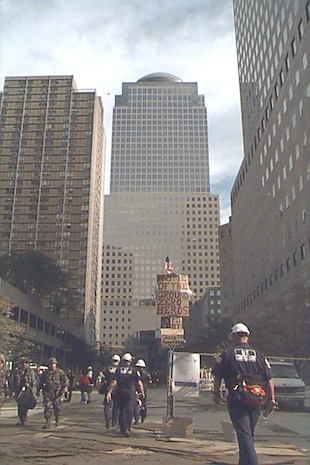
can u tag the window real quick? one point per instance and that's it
(308, 10)
(294, 46)
(305, 60)
(290, 162)
(276, 90)
(301, 29)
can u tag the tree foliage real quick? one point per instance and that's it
(39, 276)
(32, 272)
(282, 329)
(13, 341)
(214, 336)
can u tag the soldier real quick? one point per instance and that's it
(55, 384)
(24, 385)
(2, 380)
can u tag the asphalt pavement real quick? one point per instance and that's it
(82, 438)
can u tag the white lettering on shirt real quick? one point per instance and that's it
(245, 355)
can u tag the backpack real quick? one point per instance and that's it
(249, 390)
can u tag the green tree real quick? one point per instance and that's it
(214, 336)
(38, 275)
(13, 339)
(32, 272)
(282, 329)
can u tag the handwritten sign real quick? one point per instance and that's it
(172, 337)
(172, 295)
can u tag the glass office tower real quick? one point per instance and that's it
(160, 202)
(270, 225)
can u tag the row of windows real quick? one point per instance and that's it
(176, 91)
(23, 316)
(117, 303)
(115, 328)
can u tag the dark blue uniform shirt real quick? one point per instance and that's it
(241, 359)
(127, 377)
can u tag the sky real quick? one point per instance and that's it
(104, 43)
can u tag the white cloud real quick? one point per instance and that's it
(104, 43)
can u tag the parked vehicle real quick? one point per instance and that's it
(289, 387)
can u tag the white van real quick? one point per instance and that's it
(289, 387)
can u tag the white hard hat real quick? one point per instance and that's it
(116, 358)
(141, 363)
(239, 328)
(127, 357)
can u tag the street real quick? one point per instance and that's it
(82, 437)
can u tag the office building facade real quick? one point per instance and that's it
(52, 146)
(160, 202)
(270, 221)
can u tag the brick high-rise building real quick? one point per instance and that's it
(52, 148)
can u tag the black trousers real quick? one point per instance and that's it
(110, 410)
(125, 403)
(244, 420)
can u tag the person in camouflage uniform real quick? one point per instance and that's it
(2, 380)
(55, 384)
(24, 384)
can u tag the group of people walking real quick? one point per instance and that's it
(247, 374)
(26, 385)
(124, 389)
(122, 384)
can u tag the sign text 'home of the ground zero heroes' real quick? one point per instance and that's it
(172, 295)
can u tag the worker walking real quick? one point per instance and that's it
(140, 406)
(248, 378)
(110, 408)
(126, 381)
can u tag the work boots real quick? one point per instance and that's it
(47, 424)
(22, 420)
(57, 421)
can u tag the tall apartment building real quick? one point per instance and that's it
(160, 202)
(270, 221)
(52, 147)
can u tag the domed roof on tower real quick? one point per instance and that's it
(160, 77)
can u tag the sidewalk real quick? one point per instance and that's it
(82, 438)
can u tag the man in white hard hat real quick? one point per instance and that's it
(110, 409)
(140, 406)
(236, 363)
(90, 376)
(127, 379)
